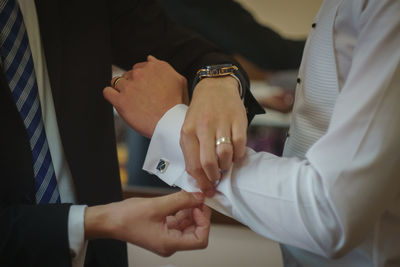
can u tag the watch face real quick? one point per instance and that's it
(218, 66)
(217, 70)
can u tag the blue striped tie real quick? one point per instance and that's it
(17, 63)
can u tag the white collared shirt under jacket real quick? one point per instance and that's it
(333, 199)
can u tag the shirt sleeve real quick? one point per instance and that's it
(326, 203)
(258, 191)
(76, 235)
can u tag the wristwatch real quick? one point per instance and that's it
(216, 71)
(220, 70)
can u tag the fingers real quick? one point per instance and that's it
(208, 158)
(202, 217)
(225, 156)
(119, 82)
(239, 137)
(196, 236)
(191, 153)
(224, 150)
(181, 220)
(202, 221)
(139, 65)
(112, 96)
(173, 203)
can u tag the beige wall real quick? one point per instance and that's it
(292, 18)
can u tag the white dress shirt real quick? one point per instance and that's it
(61, 168)
(333, 199)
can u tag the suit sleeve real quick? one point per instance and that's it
(232, 27)
(140, 28)
(34, 235)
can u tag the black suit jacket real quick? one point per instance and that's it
(233, 28)
(81, 40)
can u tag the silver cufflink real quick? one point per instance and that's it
(162, 165)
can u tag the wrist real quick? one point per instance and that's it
(222, 70)
(222, 83)
(99, 222)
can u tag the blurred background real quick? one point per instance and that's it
(267, 38)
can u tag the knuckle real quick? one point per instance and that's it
(136, 74)
(136, 65)
(187, 130)
(129, 74)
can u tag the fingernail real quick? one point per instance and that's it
(198, 196)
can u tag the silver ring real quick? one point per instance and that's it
(223, 140)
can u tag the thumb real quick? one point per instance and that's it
(112, 96)
(173, 203)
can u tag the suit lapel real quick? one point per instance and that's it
(16, 161)
(49, 16)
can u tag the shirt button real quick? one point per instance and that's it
(314, 25)
(298, 80)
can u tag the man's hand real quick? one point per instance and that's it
(216, 111)
(162, 225)
(151, 88)
(146, 92)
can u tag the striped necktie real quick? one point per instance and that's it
(17, 62)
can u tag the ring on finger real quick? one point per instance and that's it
(114, 84)
(223, 140)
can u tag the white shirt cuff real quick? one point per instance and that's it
(76, 235)
(162, 159)
(165, 159)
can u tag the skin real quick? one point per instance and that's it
(158, 93)
(216, 110)
(282, 101)
(162, 225)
